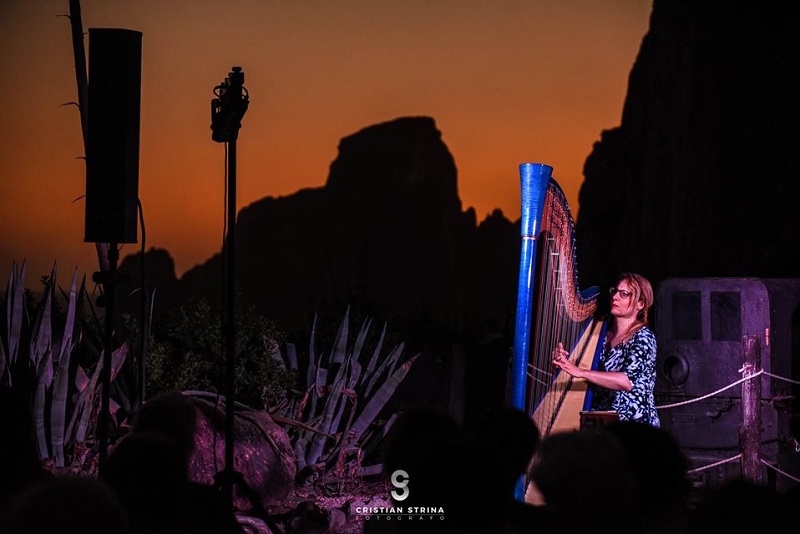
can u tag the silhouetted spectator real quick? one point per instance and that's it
(19, 462)
(585, 480)
(452, 483)
(419, 424)
(514, 434)
(790, 498)
(65, 505)
(147, 472)
(739, 505)
(463, 479)
(174, 416)
(662, 486)
(515, 437)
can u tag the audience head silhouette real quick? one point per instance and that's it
(172, 414)
(661, 483)
(19, 462)
(514, 435)
(163, 430)
(720, 508)
(413, 429)
(65, 505)
(584, 476)
(148, 473)
(445, 471)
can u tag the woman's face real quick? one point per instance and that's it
(624, 303)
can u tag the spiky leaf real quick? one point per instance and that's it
(58, 410)
(14, 309)
(381, 397)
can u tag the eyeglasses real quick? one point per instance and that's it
(623, 293)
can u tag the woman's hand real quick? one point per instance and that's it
(616, 380)
(560, 360)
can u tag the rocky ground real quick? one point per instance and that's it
(332, 508)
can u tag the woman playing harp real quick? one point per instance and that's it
(625, 376)
(551, 310)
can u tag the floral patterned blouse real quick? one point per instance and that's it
(636, 357)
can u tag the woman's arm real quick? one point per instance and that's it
(614, 380)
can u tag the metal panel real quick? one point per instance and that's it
(699, 324)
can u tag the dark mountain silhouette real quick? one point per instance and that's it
(385, 235)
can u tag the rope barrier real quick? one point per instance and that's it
(781, 378)
(744, 379)
(738, 456)
(784, 473)
(715, 464)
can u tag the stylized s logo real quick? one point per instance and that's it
(399, 480)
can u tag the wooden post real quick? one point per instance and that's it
(750, 431)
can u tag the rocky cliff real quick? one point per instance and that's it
(697, 179)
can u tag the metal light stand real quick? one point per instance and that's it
(109, 279)
(227, 109)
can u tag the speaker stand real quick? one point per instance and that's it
(109, 280)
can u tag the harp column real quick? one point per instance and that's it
(534, 178)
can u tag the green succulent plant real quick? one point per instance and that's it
(43, 355)
(346, 391)
(333, 402)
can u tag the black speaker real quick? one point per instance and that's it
(700, 325)
(112, 147)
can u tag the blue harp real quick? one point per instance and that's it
(551, 309)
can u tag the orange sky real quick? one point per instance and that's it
(507, 81)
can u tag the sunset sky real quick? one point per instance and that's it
(507, 81)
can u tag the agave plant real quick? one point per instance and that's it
(345, 393)
(64, 396)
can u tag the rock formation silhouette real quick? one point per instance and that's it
(695, 181)
(385, 235)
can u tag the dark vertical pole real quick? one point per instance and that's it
(79, 53)
(104, 418)
(227, 110)
(144, 329)
(750, 432)
(230, 321)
